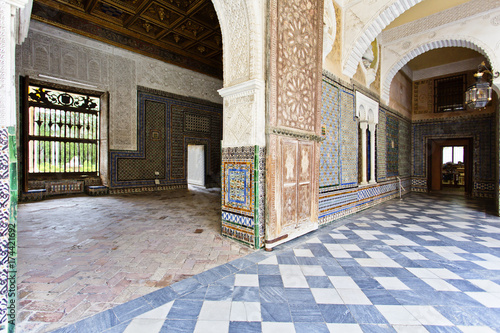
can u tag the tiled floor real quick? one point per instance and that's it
(80, 256)
(424, 264)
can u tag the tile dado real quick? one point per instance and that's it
(167, 124)
(8, 228)
(336, 204)
(242, 186)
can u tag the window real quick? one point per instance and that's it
(449, 93)
(62, 133)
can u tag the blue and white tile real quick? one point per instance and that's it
(368, 273)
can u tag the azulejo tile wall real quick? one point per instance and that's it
(404, 148)
(392, 146)
(482, 131)
(167, 124)
(339, 192)
(381, 169)
(242, 185)
(330, 116)
(339, 151)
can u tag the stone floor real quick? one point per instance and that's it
(424, 264)
(79, 256)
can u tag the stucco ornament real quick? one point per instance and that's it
(329, 27)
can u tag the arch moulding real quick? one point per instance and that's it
(372, 30)
(241, 23)
(437, 44)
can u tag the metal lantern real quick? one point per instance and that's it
(479, 94)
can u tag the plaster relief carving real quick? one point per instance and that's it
(94, 71)
(297, 63)
(69, 65)
(158, 75)
(236, 42)
(495, 21)
(238, 115)
(329, 27)
(122, 115)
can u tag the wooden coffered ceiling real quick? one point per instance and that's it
(182, 32)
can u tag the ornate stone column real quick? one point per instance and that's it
(372, 128)
(293, 127)
(367, 112)
(363, 125)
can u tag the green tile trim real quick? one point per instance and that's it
(12, 305)
(256, 196)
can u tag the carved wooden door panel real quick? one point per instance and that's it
(296, 158)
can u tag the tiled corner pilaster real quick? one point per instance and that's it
(4, 225)
(12, 230)
(242, 194)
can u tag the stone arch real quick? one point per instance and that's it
(329, 27)
(441, 43)
(372, 30)
(234, 20)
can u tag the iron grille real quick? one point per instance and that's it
(449, 93)
(63, 132)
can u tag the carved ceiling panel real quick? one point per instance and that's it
(182, 32)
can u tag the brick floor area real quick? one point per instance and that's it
(79, 256)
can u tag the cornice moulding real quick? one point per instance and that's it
(243, 87)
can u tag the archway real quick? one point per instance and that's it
(389, 73)
(372, 30)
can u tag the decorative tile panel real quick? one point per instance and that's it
(381, 169)
(349, 140)
(329, 169)
(237, 184)
(5, 211)
(338, 152)
(242, 191)
(404, 148)
(238, 219)
(392, 146)
(163, 136)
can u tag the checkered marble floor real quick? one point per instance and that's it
(424, 264)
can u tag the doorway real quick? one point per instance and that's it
(196, 165)
(450, 163)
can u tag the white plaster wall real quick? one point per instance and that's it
(58, 53)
